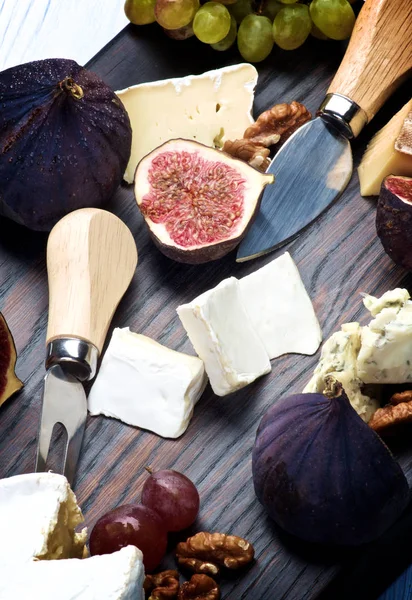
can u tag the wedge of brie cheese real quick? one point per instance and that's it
(223, 336)
(147, 385)
(38, 518)
(117, 576)
(209, 108)
(338, 358)
(385, 354)
(280, 309)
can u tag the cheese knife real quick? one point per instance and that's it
(315, 165)
(91, 259)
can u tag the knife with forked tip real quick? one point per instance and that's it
(91, 259)
(315, 165)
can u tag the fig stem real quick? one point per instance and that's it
(149, 470)
(333, 387)
(69, 85)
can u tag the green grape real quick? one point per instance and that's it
(292, 26)
(254, 38)
(226, 1)
(288, 1)
(140, 12)
(180, 34)
(174, 14)
(229, 39)
(211, 23)
(241, 9)
(316, 32)
(271, 8)
(335, 18)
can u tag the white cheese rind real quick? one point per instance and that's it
(147, 385)
(209, 108)
(38, 517)
(385, 354)
(117, 576)
(222, 335)
(280, 309)
(338, 358)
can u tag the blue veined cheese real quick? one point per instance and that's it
(147, 385)
(338, 358)
(116, 576)
(385, 354)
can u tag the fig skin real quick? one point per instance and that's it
(65, 140)
(208, 251)
(323, 474)
(9, 382)
(394, 221)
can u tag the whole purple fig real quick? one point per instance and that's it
(323, 474)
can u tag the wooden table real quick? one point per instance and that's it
(339, 257)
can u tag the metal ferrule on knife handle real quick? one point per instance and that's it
(344, 114)
(77, 357)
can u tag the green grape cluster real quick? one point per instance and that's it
(257, 25)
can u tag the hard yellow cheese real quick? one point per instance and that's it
(381, 158)
(209, 108)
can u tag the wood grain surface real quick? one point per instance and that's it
(339, 257)
(382, 36)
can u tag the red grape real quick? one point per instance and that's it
(131, 524)
(173, 496)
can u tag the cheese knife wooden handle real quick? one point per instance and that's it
(378, 56)
(91, 259)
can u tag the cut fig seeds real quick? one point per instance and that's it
(197, 202)
(394, 219)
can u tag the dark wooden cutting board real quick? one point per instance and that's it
(338, 257)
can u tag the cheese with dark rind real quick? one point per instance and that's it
(381, 157)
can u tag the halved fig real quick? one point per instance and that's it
(394, 219)
(9, 383)
(198, 202)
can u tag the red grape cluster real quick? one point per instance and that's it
(170, 502)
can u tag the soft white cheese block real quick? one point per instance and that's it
(223, 336)
(38, 517)
(209, 108)
(280, 309)
(147, 385)
(117, 576)
(385, 354)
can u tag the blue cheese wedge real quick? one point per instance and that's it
(209, 108)
(39, 516)
(223, 336)
(117, 576)
(338, 358)
(147, 385)
(280, 309)
(385, 354)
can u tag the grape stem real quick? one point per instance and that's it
(258, 6)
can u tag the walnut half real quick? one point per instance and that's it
(399, 410)
(272, 128)
(162, 586)
(200, 587)
(206, 552)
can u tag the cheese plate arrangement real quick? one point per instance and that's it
(224, 428)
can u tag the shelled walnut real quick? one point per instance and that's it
(272, 128)
(200, 587)
(397, 411)
(162, 586)
(207, 552)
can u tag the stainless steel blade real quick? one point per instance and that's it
(64, 401)
(311, 170)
